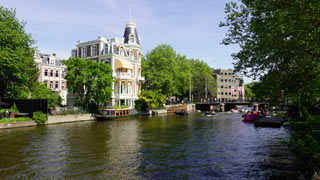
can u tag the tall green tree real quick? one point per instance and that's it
(17, 68)
(90, 80)
(202, 80)
(173, 73)
(159, 67)
(279, 43)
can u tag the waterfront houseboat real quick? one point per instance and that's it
(116, 113)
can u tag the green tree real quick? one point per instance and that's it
(202, 79)
(150, 99)
(279, 44)
(159, 67)
(17, 68)
(90, 80)
(40, 91)
(164, 69)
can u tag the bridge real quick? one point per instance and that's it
(227, 106)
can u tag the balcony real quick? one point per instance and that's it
(140, 78)
(124, 75)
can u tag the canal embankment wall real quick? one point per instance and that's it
(69, 118)
(56, 119)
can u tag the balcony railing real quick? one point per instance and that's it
(124, 74)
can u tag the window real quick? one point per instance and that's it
(57, 73)
(46, 72)
(229, 87)
(229, 73)
(222, 87)
(131, 39)
(131, 55)
(229, 80)
(51, 84)
(74, 53)
(221, 93)
(51, 73)
(225, 73)
(121, 50)
(84, 52)
(62, 74)
(93, 50)
(229, 93)
(62, 85)
(222, 73)
(221, 80)
(57, 85)
(106, 50)
(226, 80)
(129, 88)
(107, 61)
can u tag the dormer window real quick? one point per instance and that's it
(131, 55)
(139, 56)
(106, 49)
(131, 38)
(121, 50)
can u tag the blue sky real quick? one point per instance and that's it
(190, 27)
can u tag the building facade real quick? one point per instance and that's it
(230, 86)
(124, 56)
(52, 73)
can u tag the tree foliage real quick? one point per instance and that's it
(202, 78)
(40, 91)
(90, 80)
(164, 69)
(150, 99)
(17, 68)
(279, 43)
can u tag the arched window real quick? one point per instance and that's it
(121, 50)
(129, 88)
(131, 38)
(131, 54)
(46, 72)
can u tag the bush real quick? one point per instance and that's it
(13, 120)
(14, 109)
(39, 117)
(305, 141)
(2, 110)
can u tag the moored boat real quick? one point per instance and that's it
(234, 110)
(181, 112)
(210, 113)
(250, 117)
(117, 113)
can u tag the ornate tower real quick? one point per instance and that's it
(130, 34)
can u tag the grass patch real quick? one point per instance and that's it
(13, 120)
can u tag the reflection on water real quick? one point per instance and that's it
(159, 147)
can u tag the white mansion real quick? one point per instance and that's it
(124, 56)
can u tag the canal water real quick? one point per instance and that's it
(159, 147)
